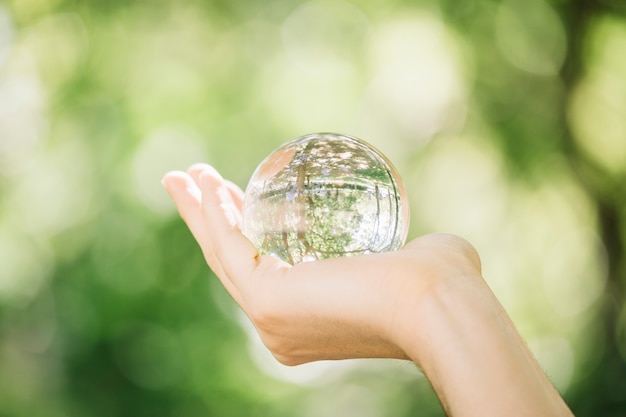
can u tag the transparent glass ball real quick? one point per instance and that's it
(325, 195)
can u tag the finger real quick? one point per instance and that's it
(195, 170)
(234, 252)
(186, 196)
(236, 193)
(236, 196)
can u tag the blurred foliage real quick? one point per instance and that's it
(507, 120)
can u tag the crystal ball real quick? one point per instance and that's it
(325, 195)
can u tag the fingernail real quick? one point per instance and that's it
(198, 166)
(209, 175)
(165, 178)
(201, 168)
(170, 179)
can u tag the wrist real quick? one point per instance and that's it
(446, 312)
(435, 276)
(468, 348)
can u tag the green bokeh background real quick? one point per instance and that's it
(506, 119)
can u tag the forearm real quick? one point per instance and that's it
(474, 357)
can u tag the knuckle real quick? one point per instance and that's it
(461, 247)
(444, 251)
(469, 252)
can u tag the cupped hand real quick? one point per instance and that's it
(426, 302)
(349, 307)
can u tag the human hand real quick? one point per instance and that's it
(350, 307)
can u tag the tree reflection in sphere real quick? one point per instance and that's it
(325, 195)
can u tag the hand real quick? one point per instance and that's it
(426, 302)
(331, 309)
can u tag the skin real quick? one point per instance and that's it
(427, 303)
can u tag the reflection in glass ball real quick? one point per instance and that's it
(325, 195)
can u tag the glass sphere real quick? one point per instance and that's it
(325, 195)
